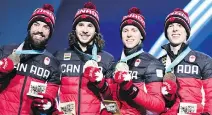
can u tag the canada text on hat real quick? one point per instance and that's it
(87, 11)
(136, 16)
(40, 11)
(180, 13)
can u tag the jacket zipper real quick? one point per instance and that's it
(21, 96)
(79, 91)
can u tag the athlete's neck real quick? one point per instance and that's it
(175, 49)
(84, 47)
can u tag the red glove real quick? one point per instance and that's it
(6, 65)
(93, 74)
(169, 89)
(45, 104)
(124, 79)
(125, 82)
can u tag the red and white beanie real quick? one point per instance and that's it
(87, 13)
(134, 18)
(178, 16)
(44, 14)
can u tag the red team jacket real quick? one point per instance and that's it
(75, 87)
(15, 85)
(147, 74)
(193, 73)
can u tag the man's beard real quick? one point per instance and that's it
(37, 45)
(37, 42)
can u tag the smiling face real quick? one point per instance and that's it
(39, 32)
(131, 36)
(176, 34)
(85, 31)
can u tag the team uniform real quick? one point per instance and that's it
(147, 74)
(75, 87)
(191, 69)
(193, 73)
(16, 84)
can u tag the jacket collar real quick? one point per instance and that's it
(171, 53)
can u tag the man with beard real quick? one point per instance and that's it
(85, 66)
(187, 71)
(29, 75)
(138, 75)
